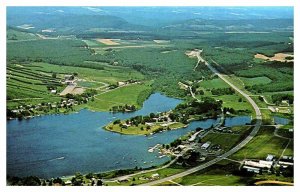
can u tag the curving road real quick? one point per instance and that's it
(231, 151)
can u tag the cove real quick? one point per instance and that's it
(59, 145)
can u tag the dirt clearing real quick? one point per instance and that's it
(109, 41)
(282, 57)
(72, 89)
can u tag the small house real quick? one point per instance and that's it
(155, 176)
(270, 157)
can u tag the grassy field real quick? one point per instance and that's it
(232, 101)
(214, 83)
(14, 36)
(121, 96)
(227, 140)
(109, 74)
(256, 81)
(290, 149)
(27, 83)
(219, 174)
(261, 145)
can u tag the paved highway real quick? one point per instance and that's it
(231, 151)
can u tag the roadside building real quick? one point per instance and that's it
(285, 103)
(285, 164)
(259, 164)
(287, 158)
(251, 169)
(205, 145)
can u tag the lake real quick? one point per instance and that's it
(59, 145)
(281, 120)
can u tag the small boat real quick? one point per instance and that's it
(145, 162)
(161, 156)
(151, 150)
(60, 158)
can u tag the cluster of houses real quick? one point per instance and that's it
(206, 148)
(31, 109)
(68, 80)
(130, 81)
(154, 176)
(259, 166)
(162, 118)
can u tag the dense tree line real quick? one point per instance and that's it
(223, 91)
(278, 98)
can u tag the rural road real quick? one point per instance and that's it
(231, 151)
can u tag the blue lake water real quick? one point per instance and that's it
(35, 146)
(281, 120)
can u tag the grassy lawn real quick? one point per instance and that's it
(144, 178)
(218, 174)
(261, 145)
(210, 180)
(290, 149)
(255, 80)
(90, 84)
(167, 183)
(121, 96)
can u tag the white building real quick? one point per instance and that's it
(53, 91)
(270, 157)
(251, 169)
(260, 164)
(155, 175)
(205, 145)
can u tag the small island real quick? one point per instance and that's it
(180, 117)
